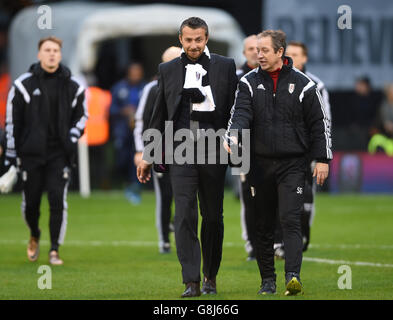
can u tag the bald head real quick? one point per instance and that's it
(171, 53)
(250, 50)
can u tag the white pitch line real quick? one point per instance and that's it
(97, 243)
(126, 243)
(356, 263)
(93, 243)
(351, 246)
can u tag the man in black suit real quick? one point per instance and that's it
(195, 93)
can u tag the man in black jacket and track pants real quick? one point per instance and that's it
(46, 115)
(285, 113)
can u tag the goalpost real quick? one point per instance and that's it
(83, 167)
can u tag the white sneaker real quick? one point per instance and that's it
(165, 248)
(54, 258)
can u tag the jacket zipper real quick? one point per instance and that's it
(274, 147)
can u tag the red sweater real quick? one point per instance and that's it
(274, 75)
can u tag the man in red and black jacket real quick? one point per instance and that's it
(284, 111)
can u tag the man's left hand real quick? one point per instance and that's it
(321, 171)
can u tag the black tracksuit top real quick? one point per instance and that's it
(31, 111)
(290, 123)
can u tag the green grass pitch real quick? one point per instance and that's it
(111, 252)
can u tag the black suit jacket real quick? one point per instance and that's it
(222, 80)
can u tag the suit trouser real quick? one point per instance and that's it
(54, 177)
(206, 183)
(163, 191)
(279, 188)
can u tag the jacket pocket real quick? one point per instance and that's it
(301, 135)
(33, 142)
(25, 136)
(293, 142)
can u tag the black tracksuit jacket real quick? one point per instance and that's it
(28, 116)
(288, 123)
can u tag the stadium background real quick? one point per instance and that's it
(338, 57)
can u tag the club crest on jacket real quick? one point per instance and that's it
(291, 87)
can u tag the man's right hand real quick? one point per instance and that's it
(143, 171)
(137, 158)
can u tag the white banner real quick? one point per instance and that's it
(346, 39)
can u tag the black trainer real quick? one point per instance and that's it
(292, 283)
(268, 286)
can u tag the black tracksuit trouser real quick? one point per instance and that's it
(310, 187)
(53, 177)
(206, 183)
(279, 189)
(248, 210)
(163, 191)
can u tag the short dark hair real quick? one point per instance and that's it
(301, 45)
(278, 38)
(50, 38)
(364, 79)
(194, 23)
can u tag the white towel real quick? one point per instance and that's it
(193, 79)
(8, 180)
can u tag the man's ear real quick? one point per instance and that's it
(281, 52)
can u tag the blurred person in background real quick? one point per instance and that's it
(299, 54)
(2, 142)
(125, 99)
(247, 203)
(5, 82)
(250, 53)
(386, 112)
(383, 137)
(45, 117)
(98, 103)
(362, 114)
(161, 180)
